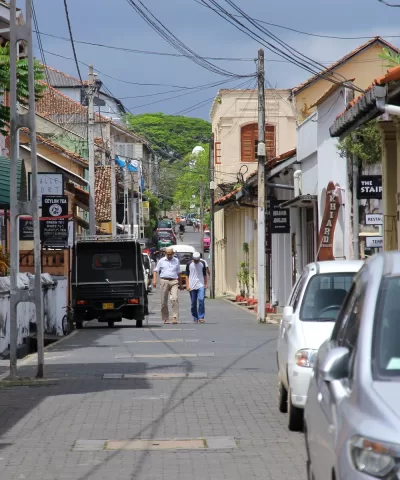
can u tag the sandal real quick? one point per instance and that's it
(166, 321)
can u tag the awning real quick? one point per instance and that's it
(5, 180)
(300, 201)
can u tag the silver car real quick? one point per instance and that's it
(352, 414)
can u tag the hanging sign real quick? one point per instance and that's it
(374, 242)
(54, 205)
(279, 217)
(369, 186)
(374, 219)
(328, 224)
(54, 222)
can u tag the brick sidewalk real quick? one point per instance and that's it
(227, 397)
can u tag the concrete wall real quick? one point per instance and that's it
(238, 108)
(54, 299)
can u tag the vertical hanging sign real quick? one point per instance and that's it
(328, 224)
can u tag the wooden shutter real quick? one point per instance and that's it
(270, 141)
(249, 134)
(217, 153)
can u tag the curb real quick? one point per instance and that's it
(31, 356)
(268, 320)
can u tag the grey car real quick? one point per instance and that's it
(352, 414)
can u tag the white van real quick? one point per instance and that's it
(185, 254)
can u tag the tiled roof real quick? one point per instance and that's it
(60, 79)
(55, 146)
(368, 97)
(271, 163)
(53, 102)
(344, 59)
(103, 194)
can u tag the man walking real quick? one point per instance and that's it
(169, 270)
(196, 284)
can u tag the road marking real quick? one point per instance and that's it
(174, 340)
(167, 330)
(206, 443)
(153, 376)
(122, 356)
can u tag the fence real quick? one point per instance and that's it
(54, 292)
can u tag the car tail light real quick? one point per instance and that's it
(82, 302)
(133, 301)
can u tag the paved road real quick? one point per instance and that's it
(215, 386)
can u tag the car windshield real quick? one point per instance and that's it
(324, 296)
(386, 349)
(165, 224)
(184, 257)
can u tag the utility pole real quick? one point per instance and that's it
(262, 191)
(356, 214)
(113, 198)
(201, 216)
(17, 121)
(91, 90)
(212, 226)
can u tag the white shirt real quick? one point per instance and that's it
(168, 268)
(196, 273)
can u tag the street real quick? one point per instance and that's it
(215, 382)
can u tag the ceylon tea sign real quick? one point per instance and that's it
(328, 224)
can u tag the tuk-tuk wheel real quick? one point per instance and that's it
(110, 323)
(79, 325)
(139, 323)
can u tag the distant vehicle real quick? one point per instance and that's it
(170, 231)
(190, 218)
(352, 416)
(185, 255)
(164, 239)
(206, 240)
(307, 321)
(165, 223)
(108, 281)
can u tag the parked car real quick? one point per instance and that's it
(206, 240)
(171, 232)
(165, 223)
(352, 416)
(307, 321)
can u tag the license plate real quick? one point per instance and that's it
(108, 306)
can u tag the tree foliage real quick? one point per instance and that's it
(194, 176)
(366, 145)
(172, 136)
(22, 83)
(392, 59)
(154, 209)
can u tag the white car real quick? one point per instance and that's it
(307, 321)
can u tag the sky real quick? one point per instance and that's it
(115, 23)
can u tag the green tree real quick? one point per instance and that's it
(154, 209)
(22, 83)
(194, 175)
(172, 136)
(392, 59)
(367, 145)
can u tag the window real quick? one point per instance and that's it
(386, 348)
(249, 142)
(217, 153)
(107, 261)
(324, 296)
(300, 288)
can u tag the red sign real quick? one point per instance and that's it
(328, 224)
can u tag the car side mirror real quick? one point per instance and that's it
(287, 315)
(335, 364)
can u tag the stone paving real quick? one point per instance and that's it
(99, 391)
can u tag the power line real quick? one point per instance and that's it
(174, 41)
(72, 40)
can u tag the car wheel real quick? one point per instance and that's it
(79, 324)
(282, 397)
(296, 415)
(110, 323)
(139, 323)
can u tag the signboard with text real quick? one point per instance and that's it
(374, 219)
(328, 224)
(25, 229)
(374, 242)
(369, 186)
(47, 184)
(279, 217)
(54, 223)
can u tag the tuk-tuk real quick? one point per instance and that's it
(108, 280)
(185, 254)
(164, 239)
